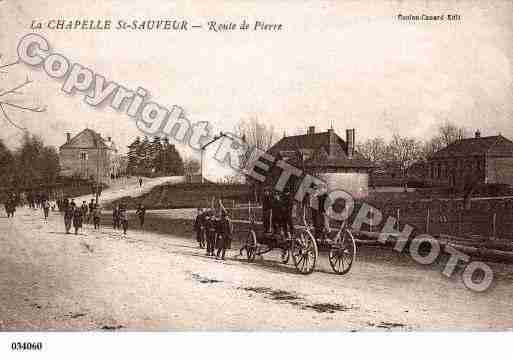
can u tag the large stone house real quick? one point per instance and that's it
(329, 157)
(473, 161)
(89, 156)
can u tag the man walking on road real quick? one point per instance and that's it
(85, 209)
(141, 212)
(68, 215)
(97, 213)
(46, 209)
(78, 217)
(115, 217)
(224, 235)
(210, 226)
(123, 217)
(91, 208)
(140, 182)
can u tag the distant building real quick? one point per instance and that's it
(326, 155)
(88, 155)
(471, 161)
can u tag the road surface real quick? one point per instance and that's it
(103, 280)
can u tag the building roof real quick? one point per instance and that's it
(314, 150)
(497, 146)
(88, 139)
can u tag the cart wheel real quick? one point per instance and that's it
(343, 253)
(251, 245)
(304, 252)
(285, 256)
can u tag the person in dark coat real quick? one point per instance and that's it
(10, 206)
(68, 214)
(123, 217)
(286, 214)
(266, 210)
(141, 212)
(199, 224)
(46, 208)
(97, 214)
(210, 226)
(224, 235)
(115, 217)
(276, 213)
(78, 217)
(85, 210)
(321, 221)
(91, 209)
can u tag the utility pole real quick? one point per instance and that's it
(203, 150)
(97, 170)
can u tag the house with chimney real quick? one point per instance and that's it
(471, 161)
(88, 155)
(328, 156)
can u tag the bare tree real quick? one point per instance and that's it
(191, 166)
(403, 152)
(447, 134)
(256, 133)
(6, 102)
(373, 149)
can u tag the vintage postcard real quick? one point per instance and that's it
(270, 166)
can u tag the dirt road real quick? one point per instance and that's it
(104, 280)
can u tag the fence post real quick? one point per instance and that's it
(427, 220)
(249, 210)
(459, 223)
(398, 216)
(494, 228)
(371, 221)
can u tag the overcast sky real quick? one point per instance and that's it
(352, 64)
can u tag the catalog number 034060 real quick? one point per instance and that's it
(23, 346)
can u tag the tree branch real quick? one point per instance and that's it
(6, 117)
(16, 88)
(32, 109)
(7, 65)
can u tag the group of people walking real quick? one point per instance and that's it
(10, 205)
(13, 200)
(215, 231)
(120, 218)
(76, 215)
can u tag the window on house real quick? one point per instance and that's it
(83, 156)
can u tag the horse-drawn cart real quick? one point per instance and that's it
(303, 247)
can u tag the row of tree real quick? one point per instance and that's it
(31, 165)
(401, 152)
(155, 157)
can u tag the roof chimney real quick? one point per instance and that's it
(109, 139)
(311, 130)
(478, 134)
(68, 137)
(350, 139)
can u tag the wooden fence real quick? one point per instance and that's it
(486, 218)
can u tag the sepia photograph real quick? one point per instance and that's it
(338, 170)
